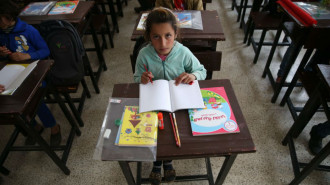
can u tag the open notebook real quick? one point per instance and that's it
(164, 95)
(13, 75)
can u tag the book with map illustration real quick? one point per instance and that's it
(184, 20)
(64, 7)
(38, 8)
(137, 129)
(217, 117)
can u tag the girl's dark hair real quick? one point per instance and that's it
(9, 9)
(159, 15)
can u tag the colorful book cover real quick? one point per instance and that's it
(184, 19)
(142, 20)
(138, 129)
(38, 8)
(64, 7)
(315, 9)
(217, 117)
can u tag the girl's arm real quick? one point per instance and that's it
(2, 88)
(139, 69)
(39, 44)
(193, 66)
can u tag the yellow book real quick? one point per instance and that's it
(138, 129)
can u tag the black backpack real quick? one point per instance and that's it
(66, 49)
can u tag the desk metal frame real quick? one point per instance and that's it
(313, 103)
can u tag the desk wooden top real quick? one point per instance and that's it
(196, 146)
(316, 36)
(212, 29)
(16, 103)
(75, 18)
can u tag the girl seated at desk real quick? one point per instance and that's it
(20, 41)
(167, 59)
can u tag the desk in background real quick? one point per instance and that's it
(313, 37)
(315, 100)
(82, 20)
(227, 145)
(212, 29)
(20, 108)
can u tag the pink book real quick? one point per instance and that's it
(217, 117)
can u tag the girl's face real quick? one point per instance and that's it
(162, 38)
(5, 22)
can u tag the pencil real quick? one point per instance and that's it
(176, 128)
(174, 132)
(145, 67)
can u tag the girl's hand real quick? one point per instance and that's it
(2, 88)
(145, 78)
(4, 51)
(17, 56)
(185, 78)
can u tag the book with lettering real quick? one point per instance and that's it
(217, 117)
(163, 95)
(13, 75)
(38, 8)
(137, 129)
(315, 9)
(64, 7)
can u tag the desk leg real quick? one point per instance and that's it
(295, 78)
(4, 171)
(312, 165)
(127, 172)
(293, 53)
(272, 51)
(23, 124)
(225, 168)
(304, 117)
(113, 16)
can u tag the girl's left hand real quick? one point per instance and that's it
(185, 78)
(2, 88)
(17, 56)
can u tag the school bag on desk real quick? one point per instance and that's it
(66, 49)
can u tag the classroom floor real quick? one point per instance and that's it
(268, 123)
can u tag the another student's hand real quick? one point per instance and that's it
(17, 56)
(185, 78)
(4, 51)
(2, 88)
(145, 78)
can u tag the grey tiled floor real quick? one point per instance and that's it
(267, 122)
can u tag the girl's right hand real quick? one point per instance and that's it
(4, 51)
(145, 78)
(2, 88)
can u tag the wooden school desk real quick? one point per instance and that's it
(212, 29)
(315, 100)
(226, 145)
(20, 108)
(314, 37)
(80, 15)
